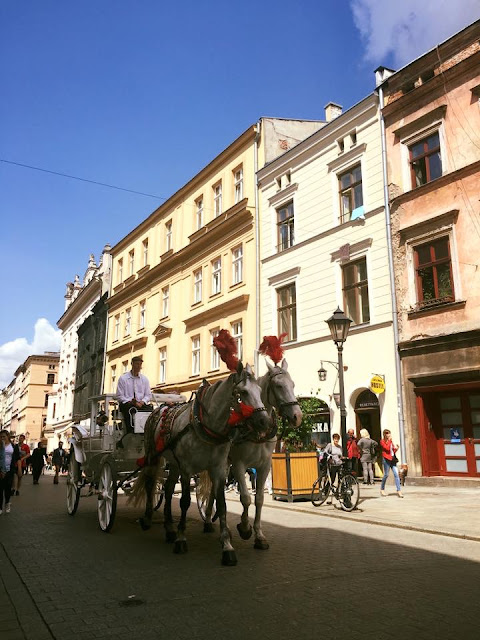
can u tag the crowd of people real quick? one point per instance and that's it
(17, 460)
(365, 451)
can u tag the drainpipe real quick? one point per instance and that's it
(257, 252)
(388, 223)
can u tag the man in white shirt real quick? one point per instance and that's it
(133, 393)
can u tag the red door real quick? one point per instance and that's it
(457, 429)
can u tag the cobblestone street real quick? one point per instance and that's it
(322, 577)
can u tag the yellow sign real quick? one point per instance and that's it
(377, 384)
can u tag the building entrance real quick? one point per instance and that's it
(450, 433)
(367, 416)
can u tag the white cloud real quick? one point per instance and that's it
(407, 29)
(13, 353)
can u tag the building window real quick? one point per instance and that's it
(238, 184)
(141, 319)
(125, 366)
(165, 301)
(433, 272)
(355, 291)
(168, 235)
(199, 212)
(51, 366)
(197, 286)
(50, 378)
(145, 252)
(46, 400)
(287, 311)
(237, 265)
(128, 322)
(237, 333)
(285, 227)
(214, 355)
(216, 276)
(196, 356)
(162, 373)
(351, 195)
(120, 271)
(131, 262)
(113, 378)
(217, 199)
(116, 328)
(425, 160)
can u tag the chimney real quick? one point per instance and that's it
(381, 74)
(332, 111)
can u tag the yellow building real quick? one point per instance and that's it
(34, 379)
(191, 268)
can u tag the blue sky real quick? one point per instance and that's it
(141, 95)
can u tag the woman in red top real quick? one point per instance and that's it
(388, 452)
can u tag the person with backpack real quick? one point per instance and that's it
(368, 455)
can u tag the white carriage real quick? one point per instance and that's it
(103, 460)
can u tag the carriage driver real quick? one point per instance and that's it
(133, 393)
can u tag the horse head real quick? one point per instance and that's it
(247, 391)
(281, 393)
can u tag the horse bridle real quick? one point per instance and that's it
(280, 405)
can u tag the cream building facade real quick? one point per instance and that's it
(323, 246)
(80, 298)
(191, 268)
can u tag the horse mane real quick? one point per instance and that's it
(272, 347)
(227, 348)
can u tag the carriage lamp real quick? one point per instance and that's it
(339, 324)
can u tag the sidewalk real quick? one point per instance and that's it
(445, 511)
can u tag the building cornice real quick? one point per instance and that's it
(247, 137)
(86, 296)
(431, 344)
(127, 347)
(230, 306)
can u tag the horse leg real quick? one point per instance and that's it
(208, 525)
(244, 527)
(150, 476)
(260, 539)
(229, 558)
(170, 534)
(181, 541)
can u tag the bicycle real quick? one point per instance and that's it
(346, 491)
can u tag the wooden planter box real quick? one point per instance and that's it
(293, 475)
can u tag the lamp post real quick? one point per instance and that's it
(339, 324)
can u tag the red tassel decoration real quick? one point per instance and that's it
(241, 414)
(227, 348)
(272, 347)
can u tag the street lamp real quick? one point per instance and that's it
(339, 324)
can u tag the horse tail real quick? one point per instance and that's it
(204, 485)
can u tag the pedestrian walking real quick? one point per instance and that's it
(58, 460)
(21, 464)
(353, 452)
(368, 455)
(38, 462)
(389, 462)
(11, 455)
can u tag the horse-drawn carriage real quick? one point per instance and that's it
(104, 460)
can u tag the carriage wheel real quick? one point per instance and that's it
(107, 496)
(158, 496)
(73, 485)
(202, 502)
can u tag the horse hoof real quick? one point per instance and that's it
(180, 546)
(170, 536)
(208, 527)
(245, 535)
(144, 525)
(229, 558)
(261, 544)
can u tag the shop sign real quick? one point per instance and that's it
(377, 384)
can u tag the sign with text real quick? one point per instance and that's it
(377, 384)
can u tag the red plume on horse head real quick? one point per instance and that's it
(227, 348)
(272, 347)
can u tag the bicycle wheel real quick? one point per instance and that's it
(348, 492)
(320, 490)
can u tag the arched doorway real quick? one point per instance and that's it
(367, 411)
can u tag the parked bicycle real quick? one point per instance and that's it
(343, 485)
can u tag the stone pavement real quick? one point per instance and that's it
(326, 574)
